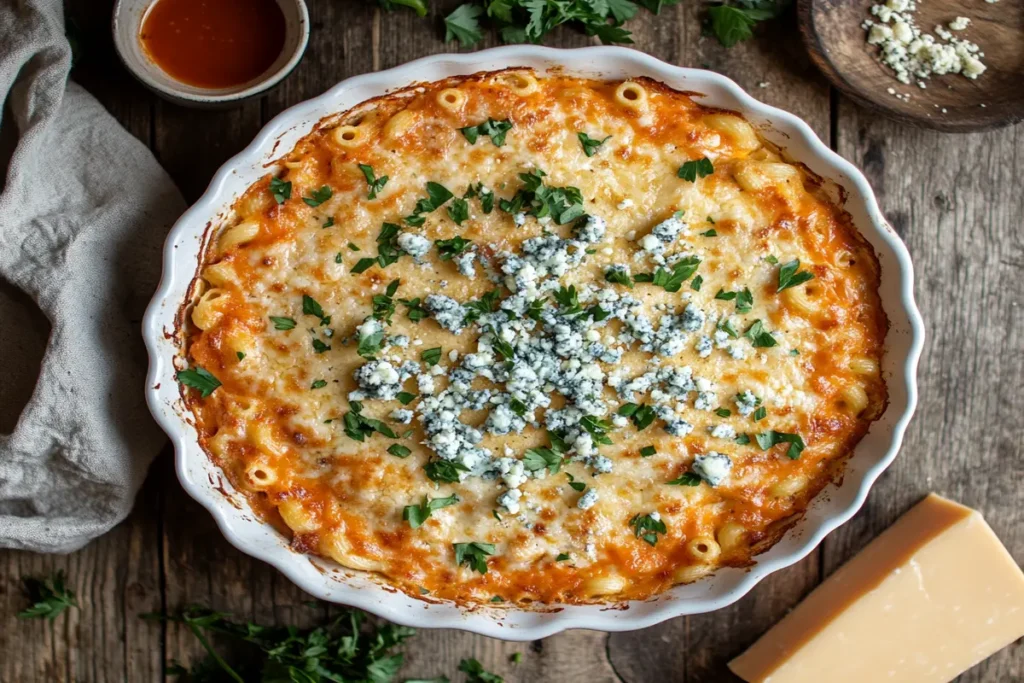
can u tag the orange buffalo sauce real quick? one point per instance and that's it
(213, 43)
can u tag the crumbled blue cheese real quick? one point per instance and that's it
(402, 416)
(600, 464)
(464, 262)
(399, 340)
(746, 403)
(587, 500)
(414, 245)
(510, 500)
(376, 379)
(713, 467)
(723, 431)
(448, 312)
(592, 230)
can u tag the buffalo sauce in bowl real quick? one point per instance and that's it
(213, 43)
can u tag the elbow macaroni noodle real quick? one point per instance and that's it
(282, 425)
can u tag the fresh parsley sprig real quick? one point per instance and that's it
(198, 378)
(374, 183)
(473, 554)
(495, 130)
(416, 515)
(50, 597)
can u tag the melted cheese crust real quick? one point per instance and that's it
(283, 441)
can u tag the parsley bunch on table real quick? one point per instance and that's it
(528, 21)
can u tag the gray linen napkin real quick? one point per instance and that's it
(83, 214)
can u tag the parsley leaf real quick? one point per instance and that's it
(280, 189)
(405, 398)
(733, 24)
(431, 356)
(399, 451)
(759, 336)
(648, 451)
(446, 471)
(597, 428)
(437, 195)
(458, 211)
(495, 130)
(50, 597)
(463, 24)
(563, 204)
(672, 280)
(641, 415)
(375, 184)
(416, 311)
(696, 283)
(770, 438)
(359, 427)
(473, 554)
(686, 479)
(318, 197)
(648, 527)
(416, 515)
(698, 168)
(310, 306)
(590, 144)
(447, 249)
(619, 276)
(538, 458)
(475, 673)
(371, 343)
(790, 275)
(418, 6)
(318, 384)
(198, 378)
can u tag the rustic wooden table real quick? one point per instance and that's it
(956, 200)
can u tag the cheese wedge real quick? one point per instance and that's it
(933, 595)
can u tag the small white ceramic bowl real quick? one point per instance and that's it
(127, 24)
(833, 506)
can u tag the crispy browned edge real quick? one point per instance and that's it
(832, 475)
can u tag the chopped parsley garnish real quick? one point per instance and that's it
(485, 195)
(563, 204)
(487, 303)
(431, 356)
(794, 352)
(50, 597)
(416, 515)
(576, 485)
(790, 275)
(375, 184)
(648, 451)
(647, 528)
(536, 308)
(387, 244)
(320, 346)
(281, 190)
(672, 280)
(495, 130)
(744, 299)
(504, 349)
(318, 384)
(695, 283)
(318, 197)
(362, 265)
(198, 378)
(282, 323)
(338, 258)
(562, 557)
(446, 471)
(352, 246)
(597, 428)
(437, 195)
(416, 312)
(723, 412)
(742, 439)
(725, 324)
(448, 249)
(329, 222)
(538, 458)
(458, 211)
(370, 344)
(760, 413)
(568, 300)
(619, 277)
(311, 306)
(770, 438)
(710, 233)
(405, 398)
(474, 555)
(697, 168)
(358, 427)
(383, 304)
(590, 144)
(399, 451)
(770, 258)
(686, 479)
(641, 415)
(240, 355)
(759, 336)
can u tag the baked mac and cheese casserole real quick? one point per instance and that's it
(522, 338)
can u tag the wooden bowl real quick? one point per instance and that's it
(832, 31)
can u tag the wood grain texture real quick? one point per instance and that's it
(955, 200)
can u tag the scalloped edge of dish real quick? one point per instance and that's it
(832, 507)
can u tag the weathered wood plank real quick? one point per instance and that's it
(956, 202)
(116, 578)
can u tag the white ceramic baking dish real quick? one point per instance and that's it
(321, 578)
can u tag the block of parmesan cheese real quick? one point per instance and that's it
(932, 596)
